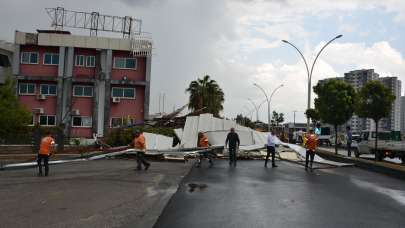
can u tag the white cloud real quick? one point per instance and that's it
(221, 38)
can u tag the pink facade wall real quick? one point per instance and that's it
(31, 101)
(83, 71)
(38, 69)
(126, 107)
(132, 107)
(133, 75)
(85, 107)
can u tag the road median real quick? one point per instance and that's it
(395, 170)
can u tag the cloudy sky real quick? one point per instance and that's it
(238, 43)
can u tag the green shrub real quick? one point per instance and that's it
(123, 136)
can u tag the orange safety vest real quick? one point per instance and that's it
(203, 142)
(46, 145)
(139, 142)
(312, 142)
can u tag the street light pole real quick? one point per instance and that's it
(268, 103)
(257, 109)
(294, 119)
(309, 73)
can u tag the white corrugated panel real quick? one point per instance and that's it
(179, 132)
(157, 142)
(217, 138)
(190, 133)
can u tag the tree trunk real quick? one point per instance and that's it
(377, 154)
(336, 135)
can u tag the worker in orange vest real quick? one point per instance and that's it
(46, 149)
(139, 144)
(203, 143)
(310, 144)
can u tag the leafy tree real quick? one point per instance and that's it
(205, 94)
(374, 102)
(277, 118)
(13, 116)
(244, 121)
(313, 114)
(335, 103)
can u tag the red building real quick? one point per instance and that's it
(90, 84)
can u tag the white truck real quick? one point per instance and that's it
(385, 147)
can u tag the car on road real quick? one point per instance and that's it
(386, 147)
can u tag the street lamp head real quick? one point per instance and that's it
(339, 36)
(285, 41)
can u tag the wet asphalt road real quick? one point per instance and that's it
(251, 196)
(103, 193)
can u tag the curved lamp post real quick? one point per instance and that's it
(268, 102)
(256, 108)
(312, 68)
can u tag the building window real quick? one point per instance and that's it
(31, 123)
(79, 61)
(90, 61)
(81, 121)
(125, 63)
(26, 88)
(48, 89)
(116, 122)
(83, 91)
(51, 59)
(45, 120)
(122, 121)
(29, 57)
(123, 92)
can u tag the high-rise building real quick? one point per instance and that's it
(403, 114)
(358, 78)
(393, 121)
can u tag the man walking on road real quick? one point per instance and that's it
(349, 138)
(271, 148)
(232, 140)
(311, 144)
(139, 144)
(45, 151)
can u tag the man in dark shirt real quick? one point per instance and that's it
(232, 140)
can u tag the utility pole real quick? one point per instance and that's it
(163, 108)
(294, 119)
(160, 94)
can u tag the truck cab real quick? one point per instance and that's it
(388, 145)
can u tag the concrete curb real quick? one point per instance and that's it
(394, 170)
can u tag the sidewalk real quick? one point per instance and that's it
(365, 161)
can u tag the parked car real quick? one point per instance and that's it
(386, 146)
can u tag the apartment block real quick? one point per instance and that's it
(89, 84)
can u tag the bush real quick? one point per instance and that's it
(23, 135)
(123, 136)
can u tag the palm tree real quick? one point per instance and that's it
(205, 94)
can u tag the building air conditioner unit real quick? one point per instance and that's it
(116, 100)
(75, 112)
(41, 97)
(38, 111)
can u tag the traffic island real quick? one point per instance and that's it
(391, 169)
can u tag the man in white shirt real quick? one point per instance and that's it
(271, 148)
